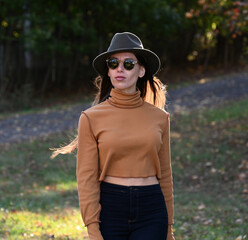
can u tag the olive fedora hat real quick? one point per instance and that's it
(126, 42)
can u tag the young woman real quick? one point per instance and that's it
(124, 170)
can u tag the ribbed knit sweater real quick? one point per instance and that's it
(123, 136)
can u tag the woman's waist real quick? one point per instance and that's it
(125, 181)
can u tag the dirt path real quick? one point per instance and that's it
(210, 93)
(207, 94)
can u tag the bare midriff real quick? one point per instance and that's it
(131, 181)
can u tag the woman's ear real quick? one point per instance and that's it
(142, 71)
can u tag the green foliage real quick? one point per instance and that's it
(61, 38)
(20, 98)
(223, 17)
(222, 25)
(63, 26)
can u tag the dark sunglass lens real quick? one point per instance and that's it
(129, 64)
(113, 63)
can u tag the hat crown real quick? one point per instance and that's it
(125, 40)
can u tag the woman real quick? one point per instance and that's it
(123, 148)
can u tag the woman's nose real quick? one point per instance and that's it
(120, 67)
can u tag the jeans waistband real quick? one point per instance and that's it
(147, 188)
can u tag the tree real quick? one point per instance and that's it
(223, 25)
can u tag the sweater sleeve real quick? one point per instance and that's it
(166, 181)
(88, 174)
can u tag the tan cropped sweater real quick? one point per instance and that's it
(123, 136)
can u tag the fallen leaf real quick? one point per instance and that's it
(239, 220)
(201, 207)
(194, 177)
(207, 222)
(213, 170)
(218, 221)
(243, 165)
(242, 177)
(245, 191)
(197, 218)
(175, 135)
(208, 164)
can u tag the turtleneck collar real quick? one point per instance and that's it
(125, 100)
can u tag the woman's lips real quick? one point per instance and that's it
(119, 78)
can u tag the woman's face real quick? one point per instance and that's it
(122, 79)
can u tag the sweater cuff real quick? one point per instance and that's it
(170, 211)
(94, 231)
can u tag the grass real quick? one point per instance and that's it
(46, 106)
(209, 152)
(38, 196)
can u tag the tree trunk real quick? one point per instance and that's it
(26, 30)
(1, 61)
(45, 80)
(207, 57)
(226, 53)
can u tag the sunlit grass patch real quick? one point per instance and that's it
(38, 195)
(230, 111)
(71, 185)
(66, 224)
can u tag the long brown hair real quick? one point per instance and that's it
(151, 89)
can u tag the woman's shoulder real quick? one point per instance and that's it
(96, 109)
(156, 110)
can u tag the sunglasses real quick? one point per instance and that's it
(128, 63)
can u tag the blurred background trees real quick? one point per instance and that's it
(46, 47)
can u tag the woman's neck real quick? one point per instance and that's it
(125, 100)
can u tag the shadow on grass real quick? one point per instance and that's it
(40, 200)
(30, 180)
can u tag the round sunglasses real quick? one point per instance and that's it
(128, 63)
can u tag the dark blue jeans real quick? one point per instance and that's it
(133, 213)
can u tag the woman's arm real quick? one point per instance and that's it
(87, 178)
(166, 181)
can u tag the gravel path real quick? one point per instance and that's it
(226, 89)
(31, 126)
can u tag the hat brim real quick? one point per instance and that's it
(151, 59)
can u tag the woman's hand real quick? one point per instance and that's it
(170, 235)
(94, 232)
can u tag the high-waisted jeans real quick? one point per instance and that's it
(133, 213)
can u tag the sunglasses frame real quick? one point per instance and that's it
(123, 62)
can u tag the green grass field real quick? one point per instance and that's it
(210, 165)
(38, 196)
